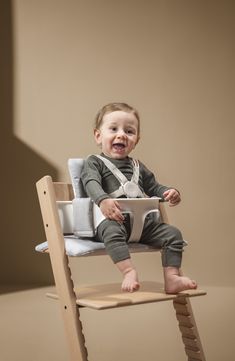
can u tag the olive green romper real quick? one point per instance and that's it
(99, 182)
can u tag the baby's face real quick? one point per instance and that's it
(118, 134)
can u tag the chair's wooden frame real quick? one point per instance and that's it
(71, 299)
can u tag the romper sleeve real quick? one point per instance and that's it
(150, 184)
(92, 180)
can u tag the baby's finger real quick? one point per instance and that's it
(167, 195)
(120, 217)
(117, 215)
(174, 201)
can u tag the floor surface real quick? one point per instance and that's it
(31, 329)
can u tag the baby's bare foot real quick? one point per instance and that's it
(177, 283)
(130, 281)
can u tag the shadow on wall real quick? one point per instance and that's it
(21, 225)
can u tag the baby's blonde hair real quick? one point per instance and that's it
(113, 107)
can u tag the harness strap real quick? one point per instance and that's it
(116, 172)
(136, 171)
(128, 188)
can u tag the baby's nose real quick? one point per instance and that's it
(121, 133)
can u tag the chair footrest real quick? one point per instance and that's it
(110, 295)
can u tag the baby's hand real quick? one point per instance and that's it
(172, 196)
(111, 209)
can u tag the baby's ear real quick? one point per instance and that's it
(97, 135)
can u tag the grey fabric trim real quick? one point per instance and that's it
(83, 224)
(75, 166)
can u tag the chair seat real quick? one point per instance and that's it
(76, 247)
(106, 296)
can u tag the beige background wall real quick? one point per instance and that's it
(174, 61)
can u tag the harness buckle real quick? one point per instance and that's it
(131, 189)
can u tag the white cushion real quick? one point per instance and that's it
(75, 166)
(75, 246)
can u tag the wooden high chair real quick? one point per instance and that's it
(103, 296)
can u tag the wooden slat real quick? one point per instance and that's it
(181, 309)
(181, 301)
(110, 295)
(191, 343)
(194, 354)
(187, 331)
(184, 320)
(188, 328)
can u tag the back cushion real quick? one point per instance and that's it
(75, 166)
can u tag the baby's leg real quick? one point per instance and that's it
(169, 239)
(172, 256)
(175, 282)
(130, 277)
(115, 238)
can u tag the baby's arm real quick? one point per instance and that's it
(111, 209)
(172, 196)
(154, 189)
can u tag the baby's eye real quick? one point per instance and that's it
(113, 129)
(130, 131)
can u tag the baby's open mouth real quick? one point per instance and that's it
(118, 146)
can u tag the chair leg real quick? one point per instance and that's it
(73, 329)
(61, 270)
(188, 329)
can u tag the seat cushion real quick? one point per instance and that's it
(76, 247)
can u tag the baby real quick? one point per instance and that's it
(117, 132)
